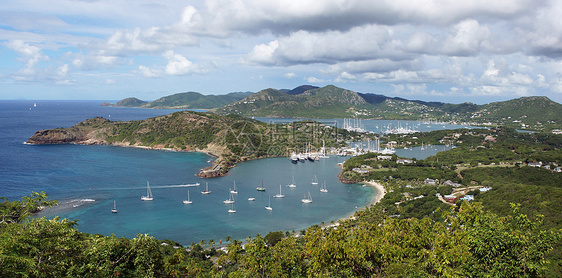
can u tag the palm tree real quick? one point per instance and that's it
(202, 242)
(211, 242)
(228, 238)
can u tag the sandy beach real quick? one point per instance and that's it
(380, 189)
(381, 192)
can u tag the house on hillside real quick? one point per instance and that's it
(429, 181)
(534, 164)
(404, 161)
(453, 184)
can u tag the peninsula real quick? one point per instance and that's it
(230, 138)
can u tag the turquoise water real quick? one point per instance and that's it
(124, 180)
(87, 179)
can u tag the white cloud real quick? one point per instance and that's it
(313, 79)
(263, 53)
(345, 77)
(470, 37)
(94, 62)
(179, 65)
(290, 75)
(30, 55)
(150, 73)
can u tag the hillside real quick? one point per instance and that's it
(535, 113)
(187, 100)
(326, 102)
(231, 138)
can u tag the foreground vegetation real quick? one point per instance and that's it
(464, 242)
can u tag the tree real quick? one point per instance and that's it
(18, 211)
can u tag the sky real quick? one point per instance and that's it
(435, 50)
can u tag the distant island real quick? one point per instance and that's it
(531, 113)
(188, 100)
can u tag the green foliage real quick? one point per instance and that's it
(19, 211)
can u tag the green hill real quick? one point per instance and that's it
(128, 102)
(187, 100)
(325, 102)
(528, 110)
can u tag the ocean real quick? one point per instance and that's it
(87, 180)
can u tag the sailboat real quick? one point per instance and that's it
(324, 189)
(307, 200)
(314, 181)
(260, 187)
(232, 210)
(279, 195)
(188, 201)
(206, 191)
(292, 184)
(230, 200)
(148, 196)
(114, 210)
(234, 191)
(268, 207)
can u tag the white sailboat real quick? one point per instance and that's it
(230, 200)
(260, 187)
(314, 181)
(188, 201)
(292, 184)
(268, 207)
(206, 191)
(148, 196)
(307, 200)
(114, 210)
(232, 210)
(324, 189)
(280, 195)
(234, 191)
(251, 199)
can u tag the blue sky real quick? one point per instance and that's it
(454, 51)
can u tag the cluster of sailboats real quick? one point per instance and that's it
(233, 191)
(308, 155)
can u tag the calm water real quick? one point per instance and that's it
(87, 179)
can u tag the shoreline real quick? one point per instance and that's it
(375, 199)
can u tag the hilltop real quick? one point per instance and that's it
(187, 100)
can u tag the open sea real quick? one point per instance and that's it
(86, 180)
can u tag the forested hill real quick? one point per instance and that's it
(231, 138)
(188, 100)
(326, 102)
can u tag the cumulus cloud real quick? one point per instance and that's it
(470, 37)
(176, 65)
(179, 65)
(29, 54)
(150, 73)
(312, 79)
